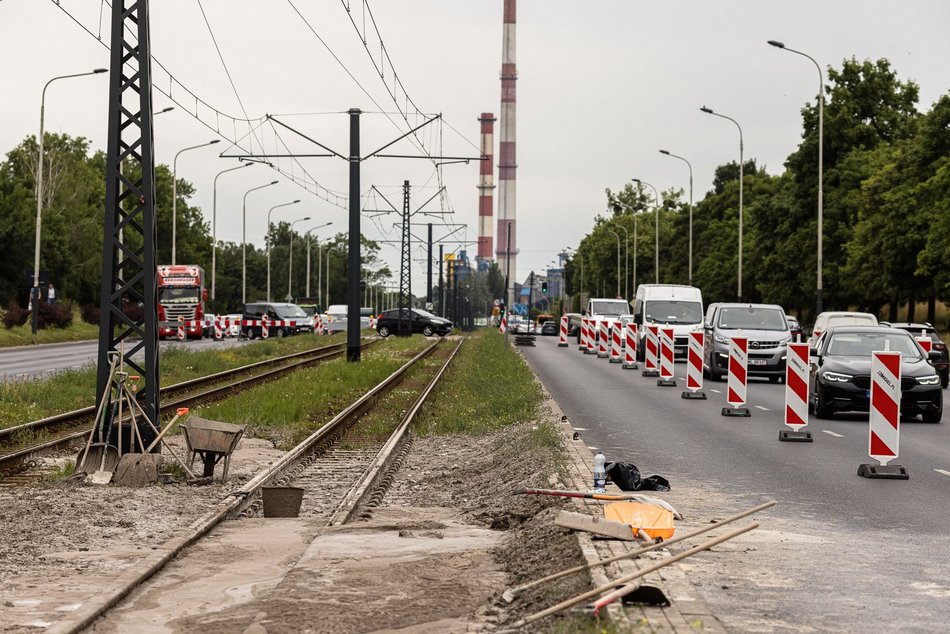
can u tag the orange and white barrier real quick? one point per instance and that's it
(884, 421)
(694, 365)
(603, 332)
(796, 393)
(181, 329)
(562, 333)
(651, 351)
(616, 343)
(738, 376)
(666, 358)
(630, 347)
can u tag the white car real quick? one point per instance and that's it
(234, 325)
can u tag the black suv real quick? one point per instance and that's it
(293, 318)
(419, 321)
(939, 356)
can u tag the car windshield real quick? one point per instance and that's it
(862, 344)
(290, 311)
(613, 308)
(674, 312)
(177, 295)
(752, 318)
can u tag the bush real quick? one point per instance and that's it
(90, 314)
(135, 312)
(59, 315)
(16, 315)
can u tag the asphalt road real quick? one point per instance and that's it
(839, 552)
(27, 362)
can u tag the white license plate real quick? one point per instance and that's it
(758, 361)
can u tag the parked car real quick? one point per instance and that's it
(334, 320)
(420, 321)
(275, 311)
(764, 325)
(830, 319)
(840, 372)
(798, 333)
(549, 328)
(939, 355)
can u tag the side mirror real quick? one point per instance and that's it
(707, 325)
(813, 352)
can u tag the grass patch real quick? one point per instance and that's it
(61, 472)
(24, 401)
(488, 386)
(289, 409)
(23, 335)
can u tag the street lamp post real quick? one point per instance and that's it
(267, 240)
(307, 235)
(175, 190)
(244, 240)
(626, 258)
(214, 228)
(710, 111)
(821, 164)
(327, 294)
(290, 268)
(656, 248)
(35, 291)
(689, 273)
(617, 235)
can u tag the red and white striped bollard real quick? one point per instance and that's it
(651, 351)
(885, 418)
(603, 334)
(616, 342)
(796, 394)
(630, 348)
(666, 359)
(562, 333)
(694, 365)
(738, 376)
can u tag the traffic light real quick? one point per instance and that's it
(544, 288)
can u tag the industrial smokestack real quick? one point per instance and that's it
(507, 258)
(486, 183)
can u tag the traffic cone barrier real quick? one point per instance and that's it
(694, 366)
(884, 423)
(796, 394)
(738, 375)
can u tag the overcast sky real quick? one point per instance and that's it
(602, 86)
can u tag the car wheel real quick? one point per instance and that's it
(821, 405)
(383, 331)
(932, 417)
(428, 331)
(281, 333)
(714, 373)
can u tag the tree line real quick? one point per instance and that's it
(72, 234)
(886, 229)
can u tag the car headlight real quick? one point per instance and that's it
(835, 377)
(721, 339)
(783, 344)
(929, 380)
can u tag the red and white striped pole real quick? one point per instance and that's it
(651, 351)
(591, 347)
(218, 329)
(265, 327)
(181, 329)
(616, 343)
(884, 421)
(630, 348)
(503, 327)
(738, 375)
(603, 332)
(562, 333)
(694, 365)
(796, 394)
(666, 359)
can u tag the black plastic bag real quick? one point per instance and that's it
(627, 477)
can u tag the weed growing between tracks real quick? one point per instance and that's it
(287, 410)
(24, 401)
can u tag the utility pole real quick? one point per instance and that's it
(353, 272)
(429, 271)
(441, 284)
(404, 328)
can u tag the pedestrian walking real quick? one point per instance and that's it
(50, 294)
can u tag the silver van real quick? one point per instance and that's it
(764, 325)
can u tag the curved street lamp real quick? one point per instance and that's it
(656, 248)
(821, 163)
(244, 240)
(214, 227)
(689, 273)
(710, 111)
(290, 269)
(267, 240)
(175, 190)
(626, 257)
(35, 291)
(617, 235)
(319, 258)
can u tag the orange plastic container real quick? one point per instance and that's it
(654, 521)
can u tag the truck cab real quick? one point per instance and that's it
(610, 310)
(675, 305)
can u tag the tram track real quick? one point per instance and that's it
(21, 444)
(344, 468)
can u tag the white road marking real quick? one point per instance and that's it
(580, 429)
(764, 409)
(712, 389)
(944, 472)
(831, 433)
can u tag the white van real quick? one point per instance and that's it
(830, 319)
(673, 305)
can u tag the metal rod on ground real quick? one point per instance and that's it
(514, 592)
(563, 605)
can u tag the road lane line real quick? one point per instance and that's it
(764, 409)
(831, 433)
(712, 389)
(942, 471)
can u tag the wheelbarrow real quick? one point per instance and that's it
(213, 440)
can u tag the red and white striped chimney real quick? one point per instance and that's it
(486, 183)
(507, 258)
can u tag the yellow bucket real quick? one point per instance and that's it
(654, 521)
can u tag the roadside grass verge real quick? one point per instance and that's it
(23, 335)
(289, 409)
(24, 401)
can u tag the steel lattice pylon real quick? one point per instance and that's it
(130, 227)
(405, 272)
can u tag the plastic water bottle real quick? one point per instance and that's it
(600, 475)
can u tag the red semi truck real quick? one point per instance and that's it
(181, 293)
